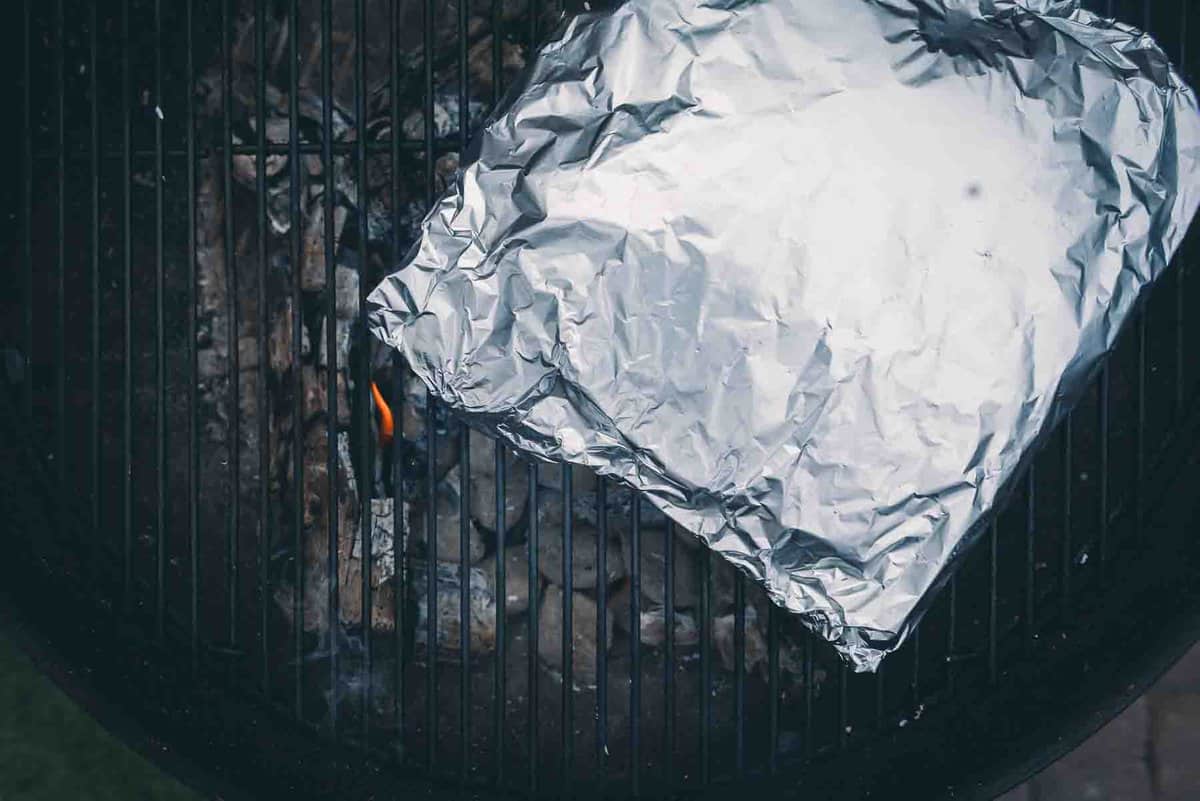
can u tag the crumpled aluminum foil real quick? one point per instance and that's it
(811, 274)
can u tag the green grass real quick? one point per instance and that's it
(51, 750)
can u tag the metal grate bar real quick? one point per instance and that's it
(568, 638)
(193, 446)
(1030, 552)
(1103, 436)
(431, 601)
(427, 150)
(535, 10)
(464, 609)
(499, 696)
(60, 261)
(27, 215)
(94, 361)
(430, 411)
(1143, 367)
(635, 648)
(294, 218)
(234, 429)
(497, 54)
(843, 716)
(533, 628)
(705, 662)
(160, 348)
(127, 319)
(809, 746)
(1068, 479)
(914, 681)
(400, 570)
(952, 633)
(1188, 251)
(993, 592)
(602, 631)
(739, 674)
(1181, 273)
(1102, 545)
(880, 674)
(669, 656)
(399, 534)
(263, 322)
(331, 361)
(1140, 448)
(464, 110)
(773, 688)
(464, 458)
(362, 388)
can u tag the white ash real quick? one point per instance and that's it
(382, 535)
(448, 621)
(653, 629)
(346, 295)
(344, 329)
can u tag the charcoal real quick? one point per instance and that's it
(724, 630)
(516, 578)
(448, 621)
(316, 393)
(653, 568)
(583, 557)
(344, 331)
(483, 485)
(312, 275)
(448, 524)
(350, 570)
(652, 621)
(583, 634)
(653, 630)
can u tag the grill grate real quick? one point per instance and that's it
(183, 493)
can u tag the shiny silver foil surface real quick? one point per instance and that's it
(813, 275)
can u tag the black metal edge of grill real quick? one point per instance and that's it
(71, 673)
(1004, 712)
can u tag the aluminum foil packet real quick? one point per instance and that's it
(813, 275)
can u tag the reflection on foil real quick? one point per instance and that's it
(811, 274)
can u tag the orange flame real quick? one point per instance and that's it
(386, 424)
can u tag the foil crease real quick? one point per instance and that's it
(813, 275)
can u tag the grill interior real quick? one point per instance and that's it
(205, 192)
